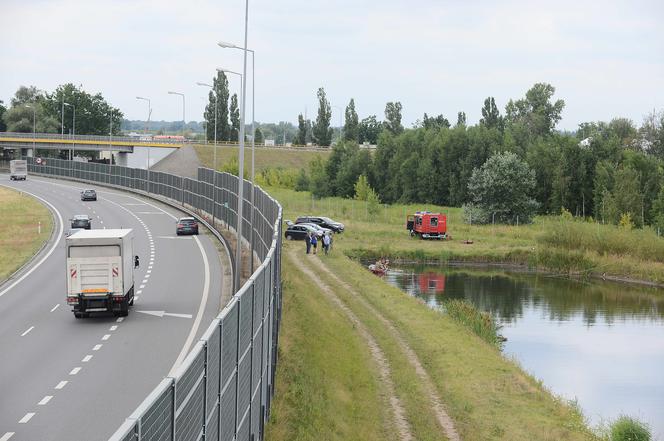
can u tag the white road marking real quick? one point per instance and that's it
(97, 347)
(75, 371)
(45, 400)
(113, 328)
(145, 281)
(61, 384)
(149, 271)
(55, 307)
(55, 242)
(149, 212)
(26, 418)
(26, 332)
(120, 319)
(101, 221)
(163, 313)
(87, 358)
(139, 291)
(136, 298)
(6, 436)
(147, 276)
(142, 286)
(201, 309)
(106, 337)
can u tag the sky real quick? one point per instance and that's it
(605, 58)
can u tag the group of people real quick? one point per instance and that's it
(311, 240)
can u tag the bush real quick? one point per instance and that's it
(481, 323)
(629, 429)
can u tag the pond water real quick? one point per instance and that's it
(600, 343)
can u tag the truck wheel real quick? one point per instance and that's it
(78, 315)
(289, 237)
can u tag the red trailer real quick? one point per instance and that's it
(427, 225)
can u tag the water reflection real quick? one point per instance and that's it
(599, 342)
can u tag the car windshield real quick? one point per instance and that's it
(89, 192)
(328, 220)
(187, 221)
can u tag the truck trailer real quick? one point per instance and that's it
(18, 169)
(100, 271)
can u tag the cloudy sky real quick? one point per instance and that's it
(605, 58)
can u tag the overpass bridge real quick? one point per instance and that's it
(123, 144)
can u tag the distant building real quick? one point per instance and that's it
(269, 143)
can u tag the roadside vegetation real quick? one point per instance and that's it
(19, 232)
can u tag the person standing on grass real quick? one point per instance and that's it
(307, 240)
(326, 243)
(314, 242)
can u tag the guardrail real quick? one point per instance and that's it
(103, 139)
(224, 387)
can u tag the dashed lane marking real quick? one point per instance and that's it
(86, 358)
(97, 347)
(113, 328)
(75, 371)
(106, 337)
(44, 401)
(120, 319)
(28, 416)
(55, 307)
(61, 384)
(26, 332)
(6, 436)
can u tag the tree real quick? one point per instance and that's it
(259, 136)
(94, 116)
(234, 111)
(3, 109)
(26, 95)
(318, 182)
(536, 111)
(301, 136)
(500, 190)
(491, 115)
(652, 134)
(220, 86)
(364, 192)
(369, 129)
(393, 117)
(321, 130)
(352, 125)
(435, 122)
(461, 119)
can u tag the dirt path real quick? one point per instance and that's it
(398, 413)
(446, 423)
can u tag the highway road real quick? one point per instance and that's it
(69, 379)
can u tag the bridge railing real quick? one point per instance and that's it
(102, 139)
(224, 387)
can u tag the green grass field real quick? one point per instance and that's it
(550, 243)
(264, 157)
(19, 230)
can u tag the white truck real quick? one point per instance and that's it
(100, 271)
(18, 169)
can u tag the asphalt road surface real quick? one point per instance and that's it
(69, 379)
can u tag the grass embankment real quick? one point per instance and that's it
(487, 396)
(551, 243)
(19, 229)
(265, 157)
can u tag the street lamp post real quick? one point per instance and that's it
(34, 126)
(71, 155)
(214, 161)
(147, 123)
(253, 133)
(183, 119)
(240, 196)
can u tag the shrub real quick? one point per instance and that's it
(629, 429)
(481, 323)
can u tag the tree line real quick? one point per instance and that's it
(604, 170)
(32, 108)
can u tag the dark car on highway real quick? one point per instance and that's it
(186, 225)
(81, 221)
(299, 231)
(88, 195)
(322, 221)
